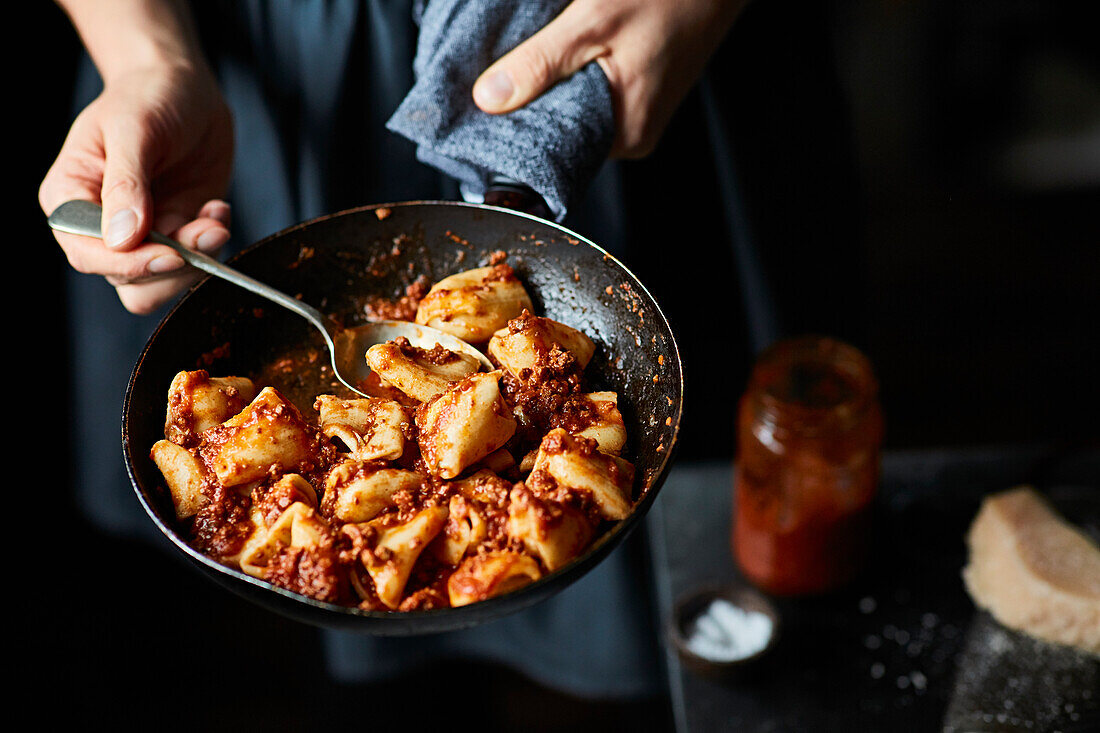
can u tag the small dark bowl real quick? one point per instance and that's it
(694, 603)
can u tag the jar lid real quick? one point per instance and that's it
(812, 384)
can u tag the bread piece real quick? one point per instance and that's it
(1033, 571)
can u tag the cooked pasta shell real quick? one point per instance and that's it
(371, 429)
(555, 533)
(297, 526)
(184, 474)
(575, 463)
(472, 305)
(397, 550)
(269, 433)
(465, 529)
(490, 574)
(414, 374)
(464, 425)
(198, 402)
(356, 491)
(527, 341)
(607, 427)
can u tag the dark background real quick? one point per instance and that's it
(924, 178)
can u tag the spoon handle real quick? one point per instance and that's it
(84, 218)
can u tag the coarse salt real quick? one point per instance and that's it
(724, 632)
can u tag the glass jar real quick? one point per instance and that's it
(809, 433)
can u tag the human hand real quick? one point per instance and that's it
(651, 51)
(155, 148)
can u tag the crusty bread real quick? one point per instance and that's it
(1034, 571)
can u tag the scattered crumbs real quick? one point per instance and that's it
(573, 241)
(456, 239)
(661, 359)
(258, 312)
(459, 257)
(382, 212)
(655, 379)
(867, 604)
(661, 448)
(608, 290)
(576, 275)
(218, 352)
(304, 253)
(669, 400)
(668, 421)
(496, 257)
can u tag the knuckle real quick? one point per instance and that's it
(537, 64)
(121, 186)
(133, 270)
(594, 22)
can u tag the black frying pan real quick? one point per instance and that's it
(336, 263)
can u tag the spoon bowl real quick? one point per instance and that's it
(351, 345)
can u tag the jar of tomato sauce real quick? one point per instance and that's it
(809, 433)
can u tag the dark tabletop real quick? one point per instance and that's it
(902, 648)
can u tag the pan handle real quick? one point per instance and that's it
(511, 194)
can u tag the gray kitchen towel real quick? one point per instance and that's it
(555, 145)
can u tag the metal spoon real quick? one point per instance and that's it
(347, 346)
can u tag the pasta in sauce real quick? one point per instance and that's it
(447, 486)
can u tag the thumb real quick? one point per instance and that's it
(126, 196)
(544, 59)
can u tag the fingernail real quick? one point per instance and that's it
(211, 240)
(495, 90)
(218, 210)
(165, 263)
(121, 227)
